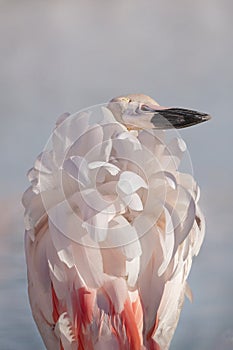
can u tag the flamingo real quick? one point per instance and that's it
(111, 227)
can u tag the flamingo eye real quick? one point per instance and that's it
(146, 108)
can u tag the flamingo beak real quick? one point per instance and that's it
(178, 118)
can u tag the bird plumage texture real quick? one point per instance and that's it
(112, 226)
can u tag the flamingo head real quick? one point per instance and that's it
(138, 111)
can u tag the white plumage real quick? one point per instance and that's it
(111, 228)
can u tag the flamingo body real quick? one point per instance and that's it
(111, 229)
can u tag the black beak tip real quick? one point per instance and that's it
(195, 119)
(206, 117)
(201, 117)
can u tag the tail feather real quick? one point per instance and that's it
(89, 330)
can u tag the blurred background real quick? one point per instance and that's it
(59, 56)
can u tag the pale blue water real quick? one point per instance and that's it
(62, 56)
